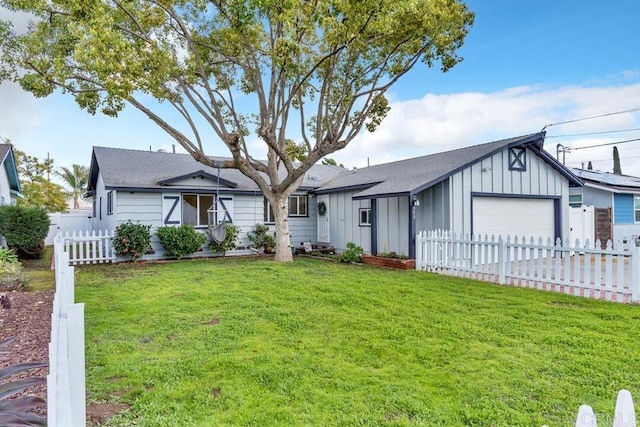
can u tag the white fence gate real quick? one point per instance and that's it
(67, 222)
(582, 223)
(66, 397)
(582, 270)
(88, 247)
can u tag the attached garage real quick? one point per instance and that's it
(515, 216)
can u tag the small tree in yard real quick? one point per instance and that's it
(313, 71)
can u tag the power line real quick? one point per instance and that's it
(591, 133)
(608, 143)
(575, 162)
(631, 110)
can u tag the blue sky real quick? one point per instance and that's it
(526, 64)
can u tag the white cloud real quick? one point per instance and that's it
(437, 123)
(18, 111)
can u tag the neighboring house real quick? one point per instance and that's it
(617, 197)
(10, 190)
(507, 187)
(159, 188)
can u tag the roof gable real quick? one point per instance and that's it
(7, 159)
(410, 176)
(199, 174)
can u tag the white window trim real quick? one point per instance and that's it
(268, 213)
(360, 212)
(198, 195)
(297, 198)
(572, 203)
(110, 203)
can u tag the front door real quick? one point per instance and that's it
(323, 220)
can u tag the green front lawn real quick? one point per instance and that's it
(253, 342)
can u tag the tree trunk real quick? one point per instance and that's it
(283, 237)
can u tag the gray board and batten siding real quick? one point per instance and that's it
(344, 221)
(437, 192)
(492, 176)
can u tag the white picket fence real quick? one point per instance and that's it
(66, 397)
(624, 414)
(579, 269)
(88, 247)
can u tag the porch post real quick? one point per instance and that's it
(374, 226)
(413, 202)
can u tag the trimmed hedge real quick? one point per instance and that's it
(25, 229)
(180, 241)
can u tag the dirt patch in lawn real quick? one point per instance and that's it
(98, 413)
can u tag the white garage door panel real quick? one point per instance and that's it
(513, 217)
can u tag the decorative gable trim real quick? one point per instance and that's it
(518, 159)
(201, 174)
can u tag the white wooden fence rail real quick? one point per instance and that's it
(88, 247)
(579, 269)
(66, 398)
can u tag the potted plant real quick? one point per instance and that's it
(261, 238)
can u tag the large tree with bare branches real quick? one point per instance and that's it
(316, 71)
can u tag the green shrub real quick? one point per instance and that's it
(13, 411)
(393, 254)
(24, 229)
(180, 241)
(132, 240)
(230, 240)
(12, 277)
(353, 253)
(8, 256)
(260, 237)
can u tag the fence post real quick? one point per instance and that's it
(77, 386)
(502, 270)
(419, 251)
(635, 274)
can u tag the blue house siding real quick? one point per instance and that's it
(623, 208)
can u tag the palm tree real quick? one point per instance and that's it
(75, 178)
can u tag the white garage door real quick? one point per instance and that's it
(513, 217)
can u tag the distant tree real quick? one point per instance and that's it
(37, 189)
(296, 152)
(590, 166)
(331, 162)
(318, 69)
(616, 161)
(76, 179)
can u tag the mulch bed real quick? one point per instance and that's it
(29, 320)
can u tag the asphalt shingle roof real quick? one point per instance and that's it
(125, 168)
(413, 175)
(4, 149)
